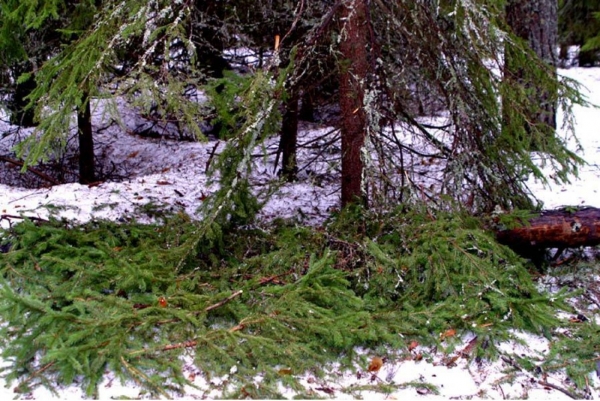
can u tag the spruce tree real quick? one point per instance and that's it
(33, 32)
(536, 23)
(420, 59)
(578, 25)
(354, 69)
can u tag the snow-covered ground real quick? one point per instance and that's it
(173, 173)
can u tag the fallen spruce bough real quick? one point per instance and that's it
(133, 298)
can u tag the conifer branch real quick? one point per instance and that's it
(224, 301)
(185, 344)
(207, 309)
(137, 373)
(36, 373)
(32, 170)
(555, 387)
(12, 216)
(515, 365)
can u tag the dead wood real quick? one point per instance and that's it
(561, 228)
(30, 169)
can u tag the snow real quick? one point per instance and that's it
(173, 173)
(583, 190)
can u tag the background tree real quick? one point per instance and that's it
(427, 64)
(418, 102)
(536, 24)
(354, 69)
(577, 26)
(28, 35)
(33, 32)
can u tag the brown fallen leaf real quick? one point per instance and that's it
(470, 346)
(161, 182)
(376, 364)
(451, 360)
(285, 371)
(447, 334)
(412, 345)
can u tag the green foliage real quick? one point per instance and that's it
(88, 46)
(93, 302)
(225, 94)
(577, 21)
(446, 271)
(593, 43)
(77, 301)
(257, 100)
(574, 348)
(576, 351)
(514, 219)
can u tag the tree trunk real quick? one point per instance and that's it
(536, 21)
(587, 58)
(554, 229)
(307, 109)
(19, 114)
(86, 143)
(353, 76)
(289, 136)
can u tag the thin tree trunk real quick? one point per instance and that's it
(354, 69)
(307, 110)
(86, 144)
(536, 21)
(20, 115)
(289, 136)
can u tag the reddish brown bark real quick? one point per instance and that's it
(555, 229)
(355, 66)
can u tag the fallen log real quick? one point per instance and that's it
(561, 228)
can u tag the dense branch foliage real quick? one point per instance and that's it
(132, 298)
(444, 120)
(450, 59)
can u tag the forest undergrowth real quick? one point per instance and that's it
(273, 301)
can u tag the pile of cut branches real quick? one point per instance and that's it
(135, 299)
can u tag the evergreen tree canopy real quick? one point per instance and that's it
(433, 86)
